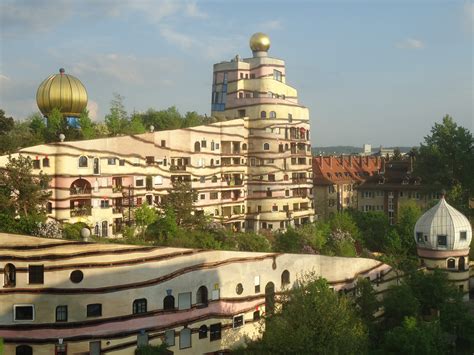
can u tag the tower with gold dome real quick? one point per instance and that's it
(64, 92)
(276, 162)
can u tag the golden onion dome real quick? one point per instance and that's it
(259, 42)
(64, 92)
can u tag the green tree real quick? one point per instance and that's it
(27, 192)
(55, 126)
(252, 242)
(399, 302)
(117, 119)
(135, 125)
(86, 125)
(366, 300)
(446, 159)
(321, 322)
(415, 337)
(6, 123)
(374, 227)
(408, 214)
(181, 199)
(144, 216)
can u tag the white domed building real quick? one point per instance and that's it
(443, 235)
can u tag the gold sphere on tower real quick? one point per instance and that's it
(64, 92)
(259, 42)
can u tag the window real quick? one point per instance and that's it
(463, 235)
(139, 182)
(122, 162)
(35, 274)
(238, 321)
(241, 113)
(239, 289)
(45, 162)
(23, 312)
(241, 94)
(271, 177)
(184, 300)
(202, 296)
(149, 160)
(24, 350)
(76, 276)
(276, 75)
(49, 207)
(83, 162)
(169, 337)
(202, 196)
(256, 316)
(273, 114)
(442, 241)
(203, 332)
(197, 147)
(61, 314)
(215, 331)
(185, 338)
(36, 164)
(9, 275)
(214, 195)
(139, 306)
(94, 310)
(244, 146)
(263, 114)
(275, 208)
(202, 179)
(285, 278)
(266, 146)
(419, 237)
(451, 264)
(168, 303)
(163, 143)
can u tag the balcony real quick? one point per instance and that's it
(81, 211)
(117, 189)
(117, 210)
(178, 168)
(80, 190)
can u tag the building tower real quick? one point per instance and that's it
(275, 160)
(62, 91)
(443, 235)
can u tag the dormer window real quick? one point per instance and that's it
(442, 241)
(419, 237)
(463, 235)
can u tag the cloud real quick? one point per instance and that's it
(411, 43)
(181, 40)
(192, 10)
(4, 78)
(93, 108)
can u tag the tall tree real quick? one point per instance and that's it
(144, 216)
(117, 119)
(28, 194)
(86, 125)
(446, 160)
(6, 123)
(181, 199)
(320, 320)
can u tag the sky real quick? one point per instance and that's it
(379, 72)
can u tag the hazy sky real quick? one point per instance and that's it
(379, 72)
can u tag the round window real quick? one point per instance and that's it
(76, 276)
(239, 289)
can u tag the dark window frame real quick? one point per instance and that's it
(94, 310)
(61, 313)
(35, 274)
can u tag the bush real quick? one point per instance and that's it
(73, 231)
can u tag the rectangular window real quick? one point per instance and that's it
(202, 196)
(241, 113)
(36, 164)
(23, 312)
(442, 241)
(169, 337)
(271, 177)
(94, 310)
(463, 235)
(215, 331)
(45, 162)
(122, 162)
(163, 143)
(150, 160)
(277, 75)
(139, 182)
(35, 274)
(184, 300)
(61, 314)
(214, 195)
(238, 321)
(185, 338)
(419, 237)
(111, 161)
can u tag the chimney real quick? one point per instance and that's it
(350, 160)
(360, 160)
(330, 161)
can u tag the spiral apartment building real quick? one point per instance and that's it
(252, 169)
(276, 157)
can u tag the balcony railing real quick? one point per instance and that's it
(80, 190)
(178, 167)
(81, 211)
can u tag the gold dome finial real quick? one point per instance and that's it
(62, 91)
(259, 42)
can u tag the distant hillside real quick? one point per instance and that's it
(347, 149)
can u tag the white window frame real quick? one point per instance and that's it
(23, 305)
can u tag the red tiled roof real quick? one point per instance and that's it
(344, 169)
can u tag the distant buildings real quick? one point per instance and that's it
(252, 170)
(336, 179)
(394, 185)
